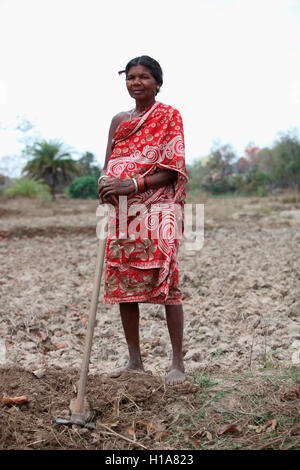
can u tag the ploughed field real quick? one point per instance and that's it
(242, 333)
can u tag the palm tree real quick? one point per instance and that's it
(50, 162)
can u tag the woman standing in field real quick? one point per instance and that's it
(145, 163)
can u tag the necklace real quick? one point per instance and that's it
(136, 113)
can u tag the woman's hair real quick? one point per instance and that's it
(148, 62)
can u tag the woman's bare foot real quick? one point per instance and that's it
(134, 367)
(130, 321)
(175, 376)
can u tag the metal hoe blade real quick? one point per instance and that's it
(70, 422)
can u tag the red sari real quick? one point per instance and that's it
(144, 267)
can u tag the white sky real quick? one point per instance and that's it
(231, 67)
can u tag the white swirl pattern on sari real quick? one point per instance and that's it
(127, 166)
(133, 156)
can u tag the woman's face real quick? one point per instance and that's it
(141, 85)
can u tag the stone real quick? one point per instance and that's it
(295, 346)
(39, 373)
(295, 310)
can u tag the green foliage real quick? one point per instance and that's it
(51, 163)
(203, 381)
(219, 186)
(84, 187)
(287, 159)
(236, 182)
(257, 183)
(257, 173)
(28, 187)
(87, 165)
(212, 173)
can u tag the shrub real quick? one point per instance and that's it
(236, 182)
(84, 187)
(257, 183)
(28, 187)
(219, 186)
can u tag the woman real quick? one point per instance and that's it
(145, 164)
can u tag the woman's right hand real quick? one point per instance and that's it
(111, 199)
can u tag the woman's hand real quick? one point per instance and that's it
(109, 189)
(108, 199)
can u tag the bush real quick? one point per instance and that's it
(84, 187)
(219, 186)
(257, 183)
(28, 187)
(236, 182)
(261, 191)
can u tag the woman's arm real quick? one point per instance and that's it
(162, 178)
(113, 127)
(110, 188)
(116, 187)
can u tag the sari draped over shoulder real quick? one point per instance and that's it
(142, 244)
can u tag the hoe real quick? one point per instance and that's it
(78, 416)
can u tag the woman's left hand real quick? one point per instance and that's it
(110, 186)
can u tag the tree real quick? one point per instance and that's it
(84, 187)
(220, 167)
(252, 152)
(287, 158)
(195, 172)
(242, 165)
(266, 161)
(87, 165)
(50, 162)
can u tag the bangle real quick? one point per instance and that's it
(148, 182)
(141, 185)
(101, 177)
(135, 185)
(145, 183)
